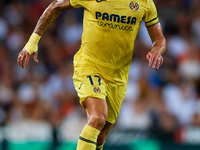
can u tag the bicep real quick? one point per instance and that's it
(155, 32)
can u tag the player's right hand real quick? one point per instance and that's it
(23, 58)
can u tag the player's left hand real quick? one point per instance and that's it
(24, 56)
(155, 59)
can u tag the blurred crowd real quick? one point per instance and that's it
(156, 100)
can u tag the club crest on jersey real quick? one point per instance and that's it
(134, 6)
(97, 90)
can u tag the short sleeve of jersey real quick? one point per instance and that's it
(78, 3)
(151, 17)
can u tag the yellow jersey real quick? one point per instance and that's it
(110, 28)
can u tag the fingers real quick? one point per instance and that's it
(20, 59)
(155, 60)
(151, 59)
(26, 61)
(159, 62)
(147, 56)
(35, 57)
(23, 55)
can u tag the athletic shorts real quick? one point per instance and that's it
(91, 84)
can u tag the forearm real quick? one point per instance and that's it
(159, 45)
(50, 14)
(47, 18)
(158, 48)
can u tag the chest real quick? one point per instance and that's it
(119, 11)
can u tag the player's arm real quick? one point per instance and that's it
(159, 45)
(47, 18)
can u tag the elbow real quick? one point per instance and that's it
(59, 5)
(54, 6)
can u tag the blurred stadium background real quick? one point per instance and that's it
(39, 108)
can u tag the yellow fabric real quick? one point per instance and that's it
(110, 28)
(84, 87)
(100, 147)
(88, 138)
(151, 15)
(112, 93)
(109, 32)
(32, 45)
